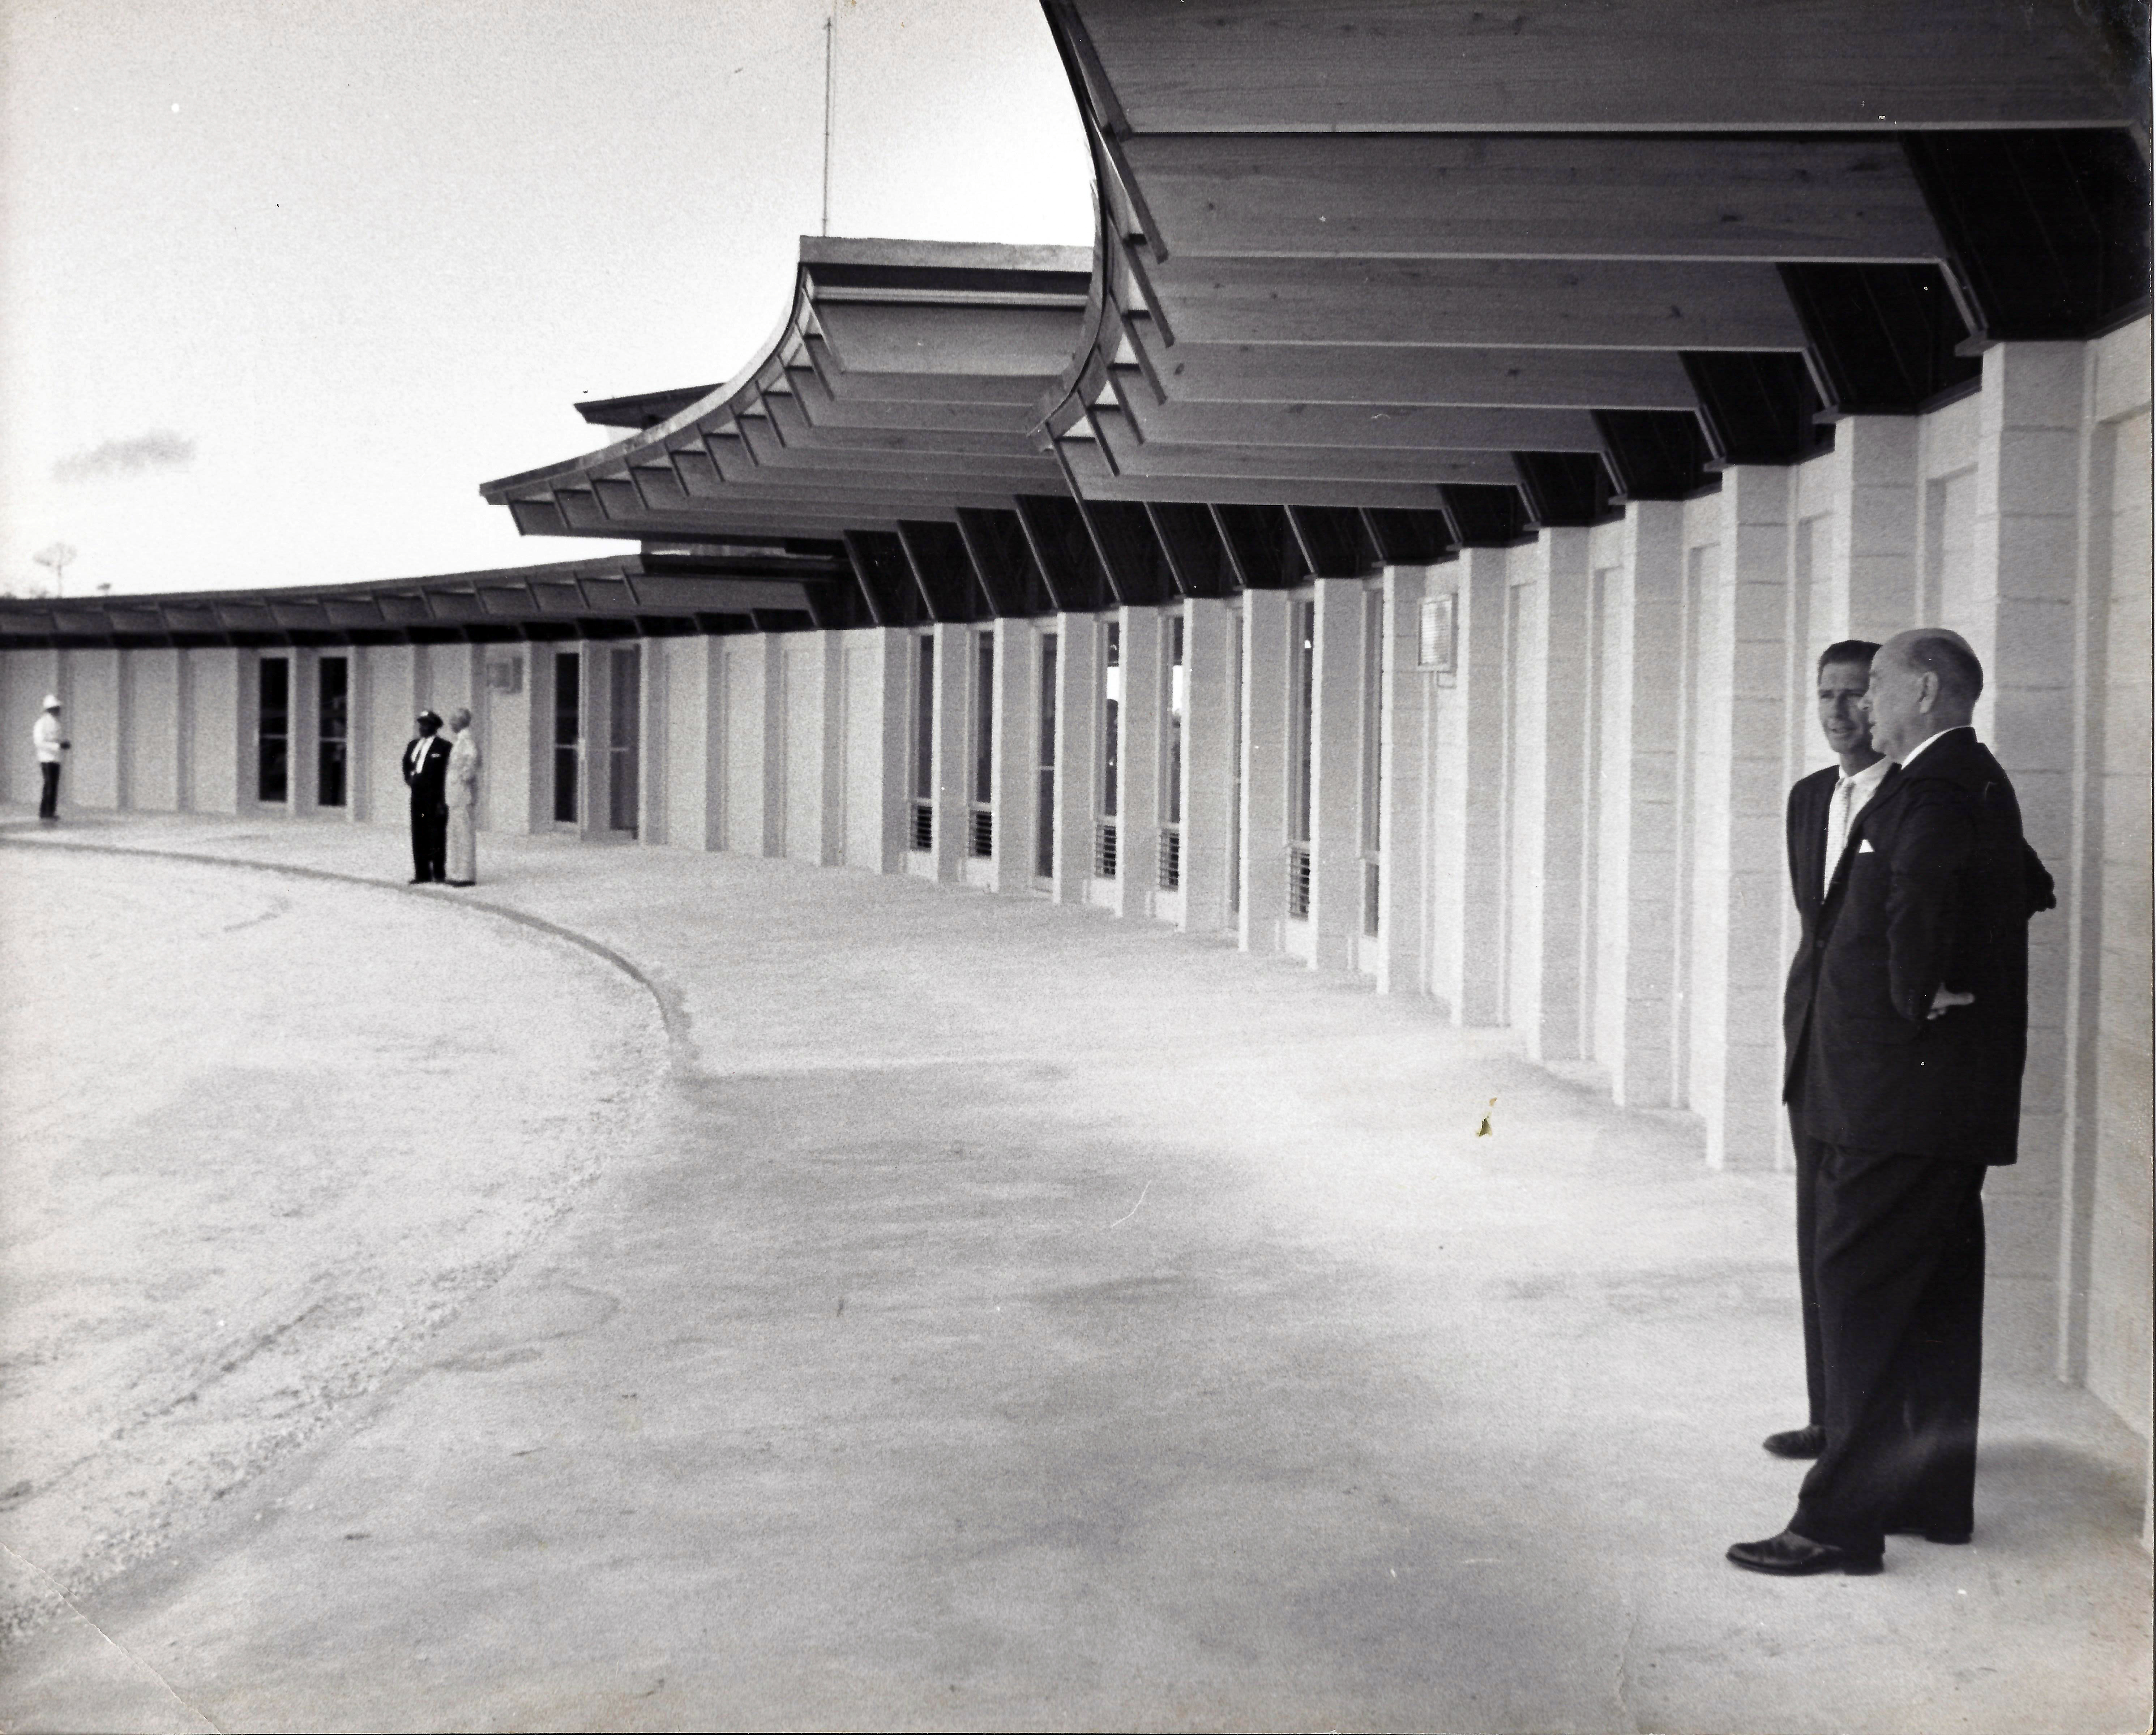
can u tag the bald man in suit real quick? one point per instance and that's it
(1906, 1068)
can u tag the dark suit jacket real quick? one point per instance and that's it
(1934, 890)
(1806, 823)
(426, 783)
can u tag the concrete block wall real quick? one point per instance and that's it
(1582, 833)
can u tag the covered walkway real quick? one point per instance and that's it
(997, 1315)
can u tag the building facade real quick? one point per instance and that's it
(1403, 543)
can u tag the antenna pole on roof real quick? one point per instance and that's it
(830, 55)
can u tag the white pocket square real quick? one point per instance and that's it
(1864, 847)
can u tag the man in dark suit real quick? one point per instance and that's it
(1907, 1068)
(1821, 817)
(426, 764)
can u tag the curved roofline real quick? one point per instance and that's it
(867, 254)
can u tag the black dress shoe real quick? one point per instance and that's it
(1806, 1442)
(417, 879)
(1791, 1556)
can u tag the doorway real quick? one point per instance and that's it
(624, 718)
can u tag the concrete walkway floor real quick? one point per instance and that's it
(972, 1312)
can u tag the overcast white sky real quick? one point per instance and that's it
(283, 281)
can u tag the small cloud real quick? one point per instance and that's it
(159, 449)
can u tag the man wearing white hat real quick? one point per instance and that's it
(45, 736)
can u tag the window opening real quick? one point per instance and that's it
(568, 733)
(924, 744)
(1044, 818)
(1372, 743)
(333, 743)
(1303, 701)
(1112, 695)
(1235, 768)
(273, 730)
(981, 831)
(626, 717)
(1171, 781)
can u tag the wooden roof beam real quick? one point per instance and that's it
(1546, 66)
(1425, 195)
(1535, 304)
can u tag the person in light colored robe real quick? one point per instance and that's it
(460, 791)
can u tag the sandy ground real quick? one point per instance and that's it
(1017, 1318)
(262, 1136)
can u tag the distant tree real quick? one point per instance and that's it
(59, 556)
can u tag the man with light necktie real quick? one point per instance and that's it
(1822, 809)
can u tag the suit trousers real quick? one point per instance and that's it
(1898, 1259)
(49, 795)
(1809, 1153)
(430, 841)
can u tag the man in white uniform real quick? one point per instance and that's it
(45, 736)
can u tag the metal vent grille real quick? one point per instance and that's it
(1171, 858)
(924, 825)
(1104, 851)
(1298, 881)
(981, 833)
(1370, 903)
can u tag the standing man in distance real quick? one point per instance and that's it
(460, 794)
(1822, 813)
(426, 765)
(45, 736)
(1909, 1072)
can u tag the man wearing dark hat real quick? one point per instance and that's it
(426, 764)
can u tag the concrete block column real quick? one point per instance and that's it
(1738, 845)
(1014, 771)
(1871, 582)
(385, 703)
(1553, 601)
(952, 745)
(215, 732)
(698, 691)
(1336, 783)
(1077, 752)
(1267, 682)
(654, 745)
(830, 729)
(93, 718)
(2031, 505)
(541, 676)
(1406, 713)
(1468, 796)
(154, 726)
(1635, 856)
(1210, 729)
(878, 676)
(595, 671)
(1138, 760)
(303, 739)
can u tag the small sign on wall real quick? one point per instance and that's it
(1435, 647)
(505, 675)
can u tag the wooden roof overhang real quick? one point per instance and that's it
(1538, 264)
(1375, 278)
(707, 589)
(900, 397)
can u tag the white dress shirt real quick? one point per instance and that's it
(1928, 741)
(1851, 795)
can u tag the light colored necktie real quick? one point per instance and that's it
(1837, 830)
